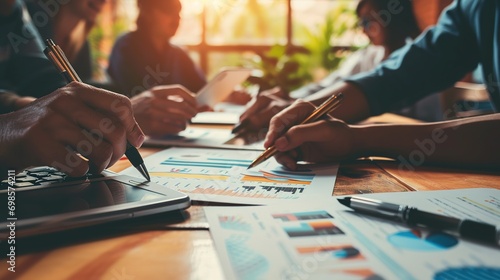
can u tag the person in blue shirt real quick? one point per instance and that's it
(145, 57)
(467, 34)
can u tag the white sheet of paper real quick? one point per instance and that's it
(204, 138)
(327, 241)
(218, 175)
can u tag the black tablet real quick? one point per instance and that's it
(72, 204)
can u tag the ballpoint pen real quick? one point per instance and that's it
(470, 229)
(327, 106)
(55, 54)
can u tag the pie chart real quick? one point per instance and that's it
(416, 240)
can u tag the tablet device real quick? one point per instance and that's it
(69, 205)
(221, 86)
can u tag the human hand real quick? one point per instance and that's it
(322, 141)
(239, 97)
(164, 109)
(263, 108)
(74, 121)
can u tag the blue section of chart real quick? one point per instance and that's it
(469, 273)
(234, 223)
(246, 262)
(416, 241)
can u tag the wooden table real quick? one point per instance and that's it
(180, 247)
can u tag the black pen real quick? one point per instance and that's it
(55, 54)
(411, 216)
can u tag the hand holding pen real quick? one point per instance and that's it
(301, 113)
(56, 55)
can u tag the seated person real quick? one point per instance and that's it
(159, 110)
(52, 129)
(145, 57)
(460, 41)
(385, 38)
(69, 27)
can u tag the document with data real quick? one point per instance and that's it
(220, 175)
(326, 240)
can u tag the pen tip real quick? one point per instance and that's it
(346, 201)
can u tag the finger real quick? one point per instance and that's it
(175, 107)
(287, 118)
(286, 160)
(96, 132)
(307, 133)
(117, 107)
(257, 105)
(60, 156)
(175, 90)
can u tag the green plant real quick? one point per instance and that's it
(280, 67)
(291, 68)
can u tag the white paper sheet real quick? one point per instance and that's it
(328, 241)
(205, 138)
(218, 175)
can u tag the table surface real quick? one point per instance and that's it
(180, 247)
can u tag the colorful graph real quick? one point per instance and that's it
(313, 229)
(246, 262)
(300, 216)
(469, 273)
(353, 274)
(234, 223)
(416, 240)
(344, 252)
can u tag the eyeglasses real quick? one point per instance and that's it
(364, 22)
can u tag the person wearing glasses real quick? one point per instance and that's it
(387, 32)
(465, 36)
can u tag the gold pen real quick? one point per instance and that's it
(327, 106)
(55, 54)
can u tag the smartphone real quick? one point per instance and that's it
(221, 86)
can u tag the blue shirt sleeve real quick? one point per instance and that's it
(436, 60)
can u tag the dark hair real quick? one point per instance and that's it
(401, 25)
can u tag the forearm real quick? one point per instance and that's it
(471, 143)
(354, 106)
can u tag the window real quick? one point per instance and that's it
(230, 32)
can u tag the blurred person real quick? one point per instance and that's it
(385, 38)
(465, 36)
(159, 110)
(145, 57)
(53, 129)
(21, 51)
(69, 25)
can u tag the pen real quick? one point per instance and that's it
(323, 109)
(470, 229)
(240, 127)
(55, 54)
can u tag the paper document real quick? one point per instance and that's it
(328, 241)
(218, 175)
(207, 138)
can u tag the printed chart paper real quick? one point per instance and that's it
(218, 175)
(328, 241)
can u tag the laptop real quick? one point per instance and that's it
(42, 200)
